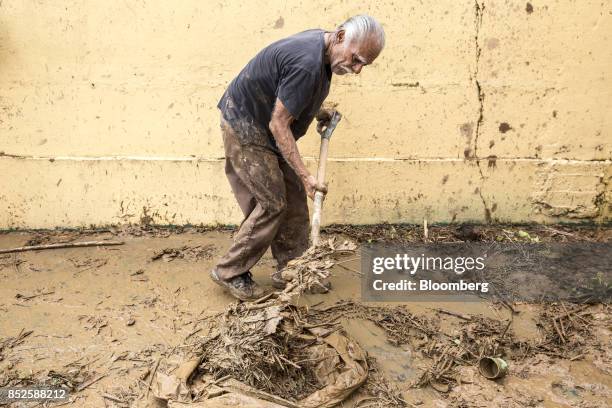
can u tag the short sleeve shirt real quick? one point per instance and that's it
(293, 70)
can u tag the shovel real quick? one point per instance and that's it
(315, 227)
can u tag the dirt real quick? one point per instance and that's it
(102, 321)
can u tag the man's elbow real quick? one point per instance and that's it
(276, 126)
(273, 126)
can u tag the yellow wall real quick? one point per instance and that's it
(107, 110)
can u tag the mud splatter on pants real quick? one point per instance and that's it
(273, 201)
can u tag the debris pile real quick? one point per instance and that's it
(247, 343)
(478, 337)
(272, 346)
(566, 328)
(291, 355)
(409, 233)
(311, 270)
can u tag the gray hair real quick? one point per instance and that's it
(362, 26)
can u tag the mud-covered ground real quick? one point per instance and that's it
(103, 320)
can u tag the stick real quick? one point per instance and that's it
(87, 384)
(290, 362)
(507, 326)
(63, 245)
(567, 234)
(217, 381)
(558, 331)
(325, 309)
(350, 269)
(576, 311)
(19, 296)
(263, 298)
(152, 376)
(112, 398)
(348, 260)
(458, 315)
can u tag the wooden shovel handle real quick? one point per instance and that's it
(315, 227)
(322, 160)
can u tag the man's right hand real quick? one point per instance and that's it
(312, 186)
(323, 119)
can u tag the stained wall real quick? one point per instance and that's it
(475, 111)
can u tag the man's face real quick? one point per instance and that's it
(351, 57)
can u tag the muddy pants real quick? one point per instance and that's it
(273, 201)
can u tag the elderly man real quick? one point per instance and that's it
(265, 109)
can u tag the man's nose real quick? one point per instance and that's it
(357, 68)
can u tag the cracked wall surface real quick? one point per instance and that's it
(476, 111)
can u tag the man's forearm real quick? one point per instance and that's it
(288, 147)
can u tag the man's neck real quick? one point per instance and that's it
(327, 37)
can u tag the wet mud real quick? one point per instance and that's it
(102, 321)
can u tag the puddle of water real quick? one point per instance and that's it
(396, 363)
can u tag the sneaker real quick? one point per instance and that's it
(277, 280)
(242, 287)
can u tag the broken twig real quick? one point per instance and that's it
(63, 245)
(458, 315)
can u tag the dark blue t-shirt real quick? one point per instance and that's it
(292, 69)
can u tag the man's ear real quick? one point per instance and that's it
(340, 36)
